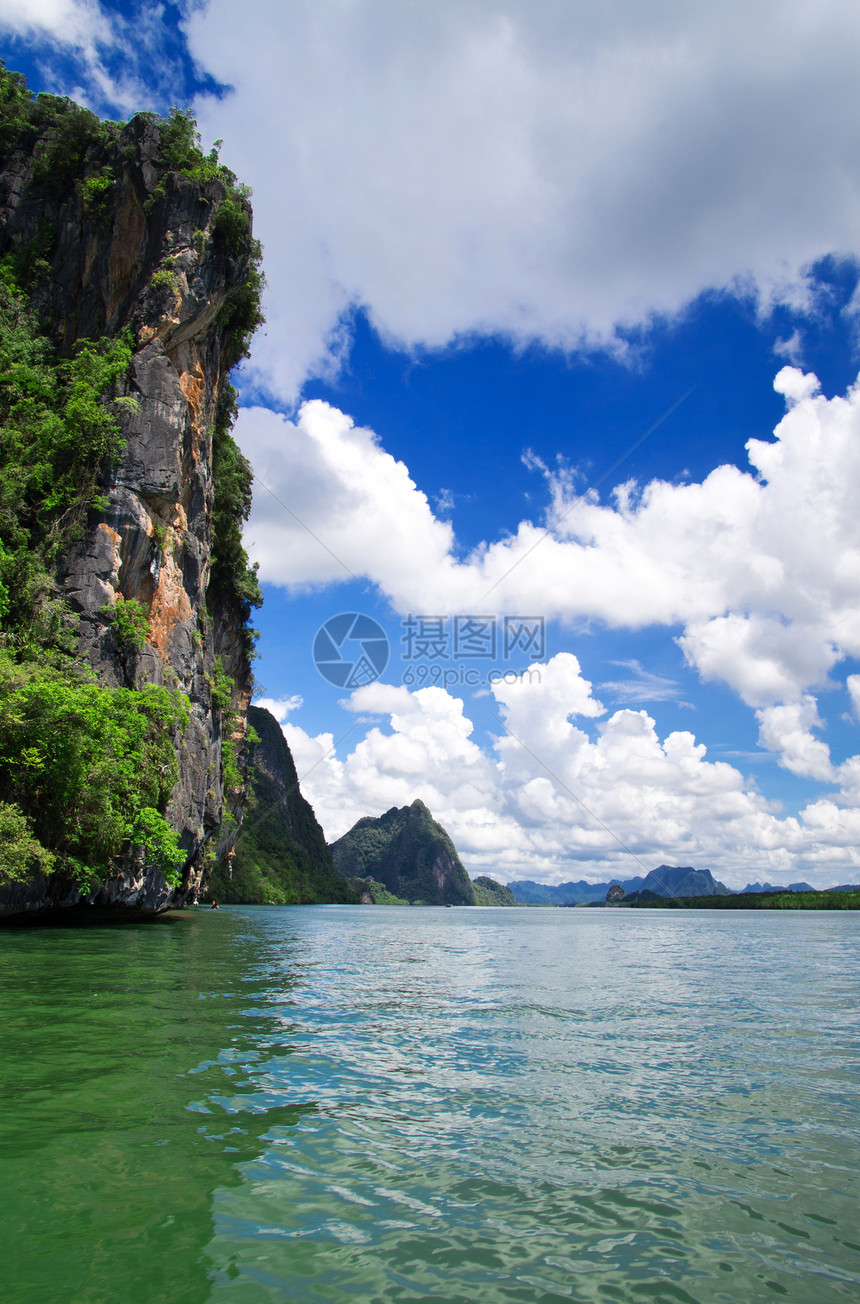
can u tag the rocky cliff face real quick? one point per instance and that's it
(409, 853)
(122, 239)
(281, 855)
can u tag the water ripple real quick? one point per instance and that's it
(549, 1105)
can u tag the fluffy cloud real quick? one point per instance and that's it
(546, 171)
(124, 61)
(280, 707)
(852, 683)
(78, 23)
(787, 730)
(760, 571)
(569, 793)
(330, 503)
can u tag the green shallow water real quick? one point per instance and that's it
(344, 1103)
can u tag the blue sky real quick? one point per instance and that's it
(502, 242)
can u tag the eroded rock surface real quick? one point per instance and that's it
(281, 855)
(147, 258)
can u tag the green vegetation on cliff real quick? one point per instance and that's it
(377, 894)
(409, 854)
(232, 577)
(490, 893)
(56, 132)
(90, 768)
(59, 425)
(70, 149)
(87, 769)
(280, 854)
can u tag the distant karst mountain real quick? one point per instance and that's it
(683, 881)
(528, 893)
(409, 854)
(666, 880)
(791, 887)
(281, 855)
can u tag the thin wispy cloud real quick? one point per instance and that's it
(642, 686)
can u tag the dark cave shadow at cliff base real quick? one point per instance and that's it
(97, 917)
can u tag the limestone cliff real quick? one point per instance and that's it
(114, 228)
(281, 855)
(409, 854)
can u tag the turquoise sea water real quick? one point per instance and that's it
(382, 1104)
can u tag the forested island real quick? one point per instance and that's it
(829, 899)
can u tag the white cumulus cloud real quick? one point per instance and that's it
(853, 685)
(759, 571)
(548, 171)
(280, 707)
(543, 171)
(79, 23)
(570, 792)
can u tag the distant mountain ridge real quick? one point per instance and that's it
(529, 893)
(665, 880)
(769, 887)
(683, 881)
